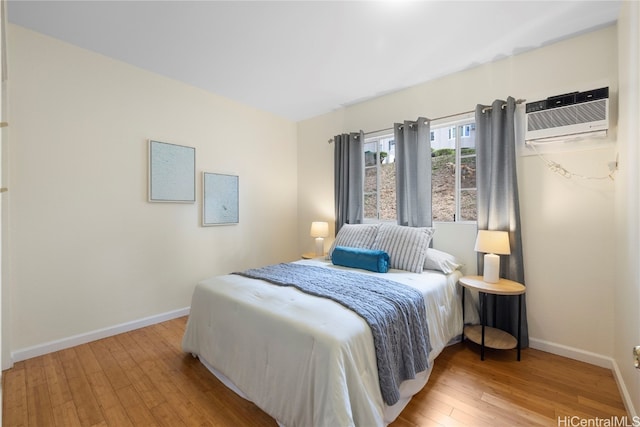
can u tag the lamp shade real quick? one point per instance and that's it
(319, 229)
(493, 242)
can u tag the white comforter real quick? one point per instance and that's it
(307, 361)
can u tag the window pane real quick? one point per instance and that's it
(468, 211)
(388, 191)
(380, 179)
(370, 153)
(392, 152)
(443, 185)
(370, 206)
(468, 172)
(370, 192)
(370, 180)
(468, 175)
(468, 143)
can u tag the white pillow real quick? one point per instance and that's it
(442, 261)
(406, 246)
(355, 236)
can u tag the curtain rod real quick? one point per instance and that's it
(519, 101)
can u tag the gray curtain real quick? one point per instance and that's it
(498, 206)
(413, 173)
(348, 158)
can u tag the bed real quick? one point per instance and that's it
(307, 360)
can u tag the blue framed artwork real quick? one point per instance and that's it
(172, 173)
(220, 203)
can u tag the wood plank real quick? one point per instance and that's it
(66, 415)
(529, 416)
(110, 366)
(116, 416)
(39, 406)
(142, 378)
(178, 392)
(89, 362)
(132, 402)
(103, 390)
(87, 407)
(601, 407)
(166, 416)
(14, 397)
(145, 388)
(56, 380)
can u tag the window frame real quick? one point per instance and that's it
(459, 124)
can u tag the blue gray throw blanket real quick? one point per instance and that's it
(395, 313)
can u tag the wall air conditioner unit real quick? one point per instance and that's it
(568, 116)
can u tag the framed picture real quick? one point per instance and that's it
(172, 173)
(220, 204)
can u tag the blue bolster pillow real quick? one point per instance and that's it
(365, 259)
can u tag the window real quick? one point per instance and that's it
(466, 130)
(453, 157)
(454, 172)
(380, 179)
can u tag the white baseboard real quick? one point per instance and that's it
(51, 346)
(572, 353)
(624, 392)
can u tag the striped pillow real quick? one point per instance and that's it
(355, 236)
(406, 246)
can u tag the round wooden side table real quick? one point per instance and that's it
(484, 335)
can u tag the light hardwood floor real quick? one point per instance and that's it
(142, 378)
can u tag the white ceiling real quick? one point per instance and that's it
(298, 59)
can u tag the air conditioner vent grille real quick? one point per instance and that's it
(567, 116)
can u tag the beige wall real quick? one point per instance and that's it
(86, 249)
(626, 330)
(567, 224)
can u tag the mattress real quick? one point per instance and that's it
(304, 360)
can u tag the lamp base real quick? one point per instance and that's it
(319, 246)
(491, 268)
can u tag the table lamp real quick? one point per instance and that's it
(319, 230)
(493, 244)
